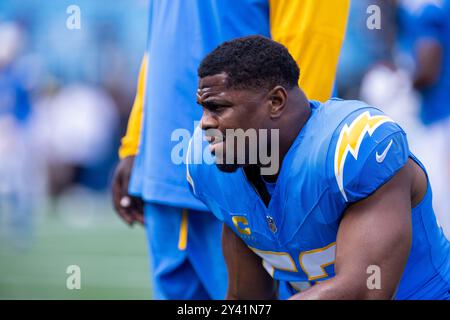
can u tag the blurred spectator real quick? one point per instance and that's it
(79, 84)
(77, 124)
(16, 166)
(431, 77)
(364, 47)
(417, 95)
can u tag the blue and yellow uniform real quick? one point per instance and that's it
(345, 151)
(181, 33)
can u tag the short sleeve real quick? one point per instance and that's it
(370, 150)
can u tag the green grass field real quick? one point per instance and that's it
(80, 230)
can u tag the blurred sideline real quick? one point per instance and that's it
(78, 229)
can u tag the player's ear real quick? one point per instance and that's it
(277, 101)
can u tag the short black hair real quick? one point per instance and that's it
(252, 62)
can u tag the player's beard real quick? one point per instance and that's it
(227, 162)
(219, 151)
(239, 151)
(228, 168)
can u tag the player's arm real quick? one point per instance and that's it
(375, 231)
(313, 32)
(130, 209)
(247, 278)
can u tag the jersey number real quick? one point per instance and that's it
(312, 262)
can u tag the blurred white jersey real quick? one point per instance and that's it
(77, 124)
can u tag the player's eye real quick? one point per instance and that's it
(212, 106)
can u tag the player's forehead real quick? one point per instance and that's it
(210, 86)
(214, 81)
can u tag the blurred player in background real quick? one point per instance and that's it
(432, 79)
(414, 89)
(16, 166)
(184, 239)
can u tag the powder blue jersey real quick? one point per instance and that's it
(345, 152)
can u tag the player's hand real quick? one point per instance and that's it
(129, 208)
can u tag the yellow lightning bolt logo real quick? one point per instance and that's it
(350, 140)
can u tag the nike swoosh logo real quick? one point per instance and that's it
(380, 157)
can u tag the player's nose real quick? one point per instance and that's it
(208, 121)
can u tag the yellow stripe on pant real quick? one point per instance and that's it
(182, 239)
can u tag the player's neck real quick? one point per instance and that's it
(296, 115)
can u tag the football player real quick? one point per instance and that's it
(348, 212)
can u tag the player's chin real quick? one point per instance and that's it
(228, 168)
(227, 164)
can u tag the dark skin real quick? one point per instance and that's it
(429, 63)
(231, 109)
(129, 208)
(374, 231)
